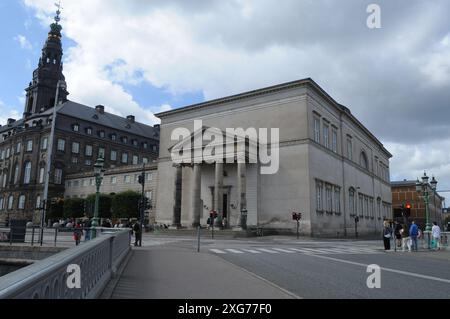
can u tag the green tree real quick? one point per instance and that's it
(74, 208)
(125, 204)
(104, 206)
(56, 209)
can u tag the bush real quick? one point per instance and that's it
(73, 208)
(104, 206)
(56, 209)
(126, 205)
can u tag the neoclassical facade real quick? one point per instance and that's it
(330, 167)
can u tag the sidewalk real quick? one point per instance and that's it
(175, 273)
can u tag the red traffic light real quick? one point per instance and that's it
(408, 206)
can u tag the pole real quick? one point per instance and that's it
(97, 195)
(298, 227)
(142, 203)
(49, 161)
(428, 226)
(198, 239)
(212, 224)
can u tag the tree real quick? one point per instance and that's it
(55, 208)
(104, 205)
(126, 204)
(73, 208)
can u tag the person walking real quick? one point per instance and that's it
(78, 233)
(137, 234)
(436, 236)
(406, 240)
(397, 234)
(413, 233)
(387, 234)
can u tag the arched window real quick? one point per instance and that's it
(22, 199)
(38, 202)
(16, 174)
(10, 202)
(351, 201)
(1, 203)
(363, 160)
(41, 174)
(27, 173)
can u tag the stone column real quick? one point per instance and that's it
(176, 222)
(218, 191)
(196, 195)
(242, 189)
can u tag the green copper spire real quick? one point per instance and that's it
(55, 28)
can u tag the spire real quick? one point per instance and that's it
(42, 90)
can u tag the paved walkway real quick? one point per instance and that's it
(177, 273)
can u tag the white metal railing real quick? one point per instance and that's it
(98, 260)
(444, 240)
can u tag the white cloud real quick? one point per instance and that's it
(23, 41)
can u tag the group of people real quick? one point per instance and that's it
(407, 237)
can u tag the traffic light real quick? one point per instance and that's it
(213, 214)
(296, 216)
(147, 204)
(407, 210)
(141, 179)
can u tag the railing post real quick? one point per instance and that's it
(56, 235)
(111, 255)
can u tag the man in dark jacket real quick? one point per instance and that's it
(137, 234)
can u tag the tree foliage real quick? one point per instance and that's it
(73, 208)
(126, 204)
(104, 206)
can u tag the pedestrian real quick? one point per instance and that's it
(224, 221)
(137, 234)
(436, 236)
(414, 233)
(77, 234)
(209, 222)
(387, 234)
(397, 234)
(406, 240)
(87, 227)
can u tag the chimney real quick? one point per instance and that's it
(100, 109)
(11, 121)
(131, 118)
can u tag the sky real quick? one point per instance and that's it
(145, 56)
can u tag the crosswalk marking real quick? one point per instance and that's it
(252, 251)
(307, 251)
(268, 251)
(284, 250)
(234, 251)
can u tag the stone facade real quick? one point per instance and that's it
(332, 168)
(404, 192)
(115, 180)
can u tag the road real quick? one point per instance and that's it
(304, 269)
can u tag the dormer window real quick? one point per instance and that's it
(145, 145)
(113, 137)
(124, 139)
(76, 127)
(89, 131)
(101, 134)
(135, 143)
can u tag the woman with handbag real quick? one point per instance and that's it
(387, 234)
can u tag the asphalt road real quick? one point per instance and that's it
(339, 269)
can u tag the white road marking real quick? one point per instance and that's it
(268, 251)
(252, 251)
(234, 251)
(284, 250)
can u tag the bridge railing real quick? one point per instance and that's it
(97, 260)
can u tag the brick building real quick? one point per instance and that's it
(404, 192)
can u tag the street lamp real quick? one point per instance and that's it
(422, 189)
(98, 173)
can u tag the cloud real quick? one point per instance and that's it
(24, 43)
(7, 113)
(394, 79)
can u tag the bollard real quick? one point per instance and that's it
(56, 235)
(32, 236)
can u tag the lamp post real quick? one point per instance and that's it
(98, 172)
(422, 189)
(433, 184)
(60, 85)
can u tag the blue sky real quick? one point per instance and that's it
(19, 59)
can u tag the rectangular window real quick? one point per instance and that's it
(18, 148)
(41, 175)
(88, 162)
(76, 128)
(10, 202)
(127, 179)
(76, 183)
(58, 176)
(135, 160)
(7, 152)
(125, 158)
(351, 203)
(145, 160)
(371, 213)
(30, 146)
(92, 181)
(21, 202)
(27, 173)
(334, 141)
(326, 134)
(2, 155)
(61, 145)
(316, 130)
(88, 150)
(84, 183)
(329, 199)
(366, 206)
(89, 131)
(76, 148)
(361, 205)
(349, 149)
(337, 200)
(149, 195)
(114, 180)
(44, 143)
(145, 145)
(38, 202)
(101, 152)
(69, 184)
(319, 196)
(113, 156)
(74, 160)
